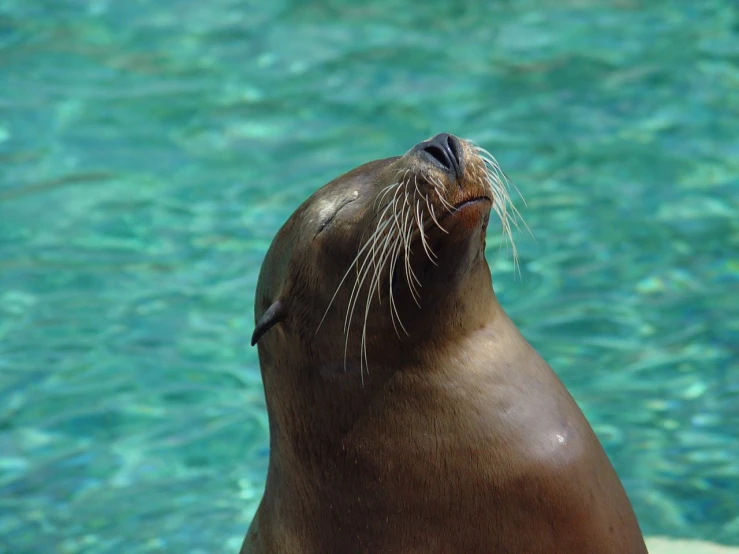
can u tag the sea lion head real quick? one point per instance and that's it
(380, 259)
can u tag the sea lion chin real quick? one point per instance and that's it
(407, 413)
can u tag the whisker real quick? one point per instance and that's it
(383, 193)
(393, 263)
(419, 220)
(410, 275)
(438, 187)
(354, 298)
(388, 253)
(361, 276)
(432, 212)
(498, 184)
(382, 251)
(381, 226)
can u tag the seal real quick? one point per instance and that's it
(407, 413)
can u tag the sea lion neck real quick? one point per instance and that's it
(330, 425)
(315, 408)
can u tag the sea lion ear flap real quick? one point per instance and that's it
(273, 315)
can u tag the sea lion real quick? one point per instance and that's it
(407, 414)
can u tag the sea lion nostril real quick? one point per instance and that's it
(446, 150)
(454, 148)
(440, 155)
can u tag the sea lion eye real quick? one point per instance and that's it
(329, 210)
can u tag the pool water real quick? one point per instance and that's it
(150, 149)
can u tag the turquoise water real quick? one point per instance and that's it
(150, 149)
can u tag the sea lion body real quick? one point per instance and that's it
(432, 426)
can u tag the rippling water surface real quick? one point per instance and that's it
(150, 149)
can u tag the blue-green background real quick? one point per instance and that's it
(150, 149)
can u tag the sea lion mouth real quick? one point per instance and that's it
(466, 203)
(455, 209)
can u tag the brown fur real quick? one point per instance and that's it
(458, 438)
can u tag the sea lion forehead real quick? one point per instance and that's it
(364, 176)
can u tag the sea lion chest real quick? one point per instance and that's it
(462, 462)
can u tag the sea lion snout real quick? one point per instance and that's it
(444, 151)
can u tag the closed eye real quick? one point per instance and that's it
(332, 210)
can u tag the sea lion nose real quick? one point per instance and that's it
(444, 150)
